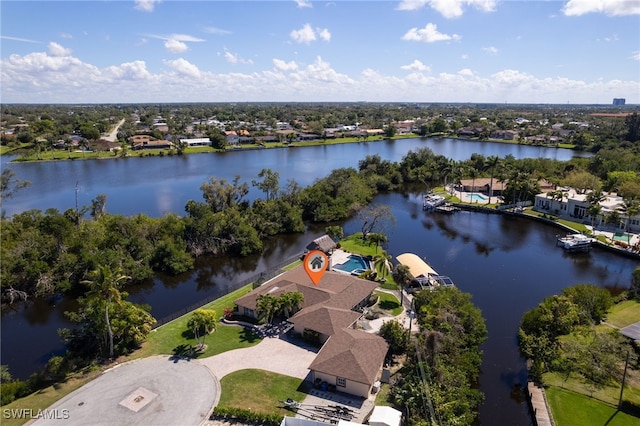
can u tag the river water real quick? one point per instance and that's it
(508, 264)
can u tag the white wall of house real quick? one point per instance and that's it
(574, 207)
(351, 387)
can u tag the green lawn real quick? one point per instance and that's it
(174, 337)
(354, 244)
(260, 391)
(570, 409)
(388, 303)
(624, 314)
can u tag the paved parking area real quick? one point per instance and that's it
(271, 354)
(152, 391)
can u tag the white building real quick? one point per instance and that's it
(574, 206)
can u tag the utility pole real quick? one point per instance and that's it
(624, 377)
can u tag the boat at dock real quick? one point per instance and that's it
(575, 242)
(431, 201)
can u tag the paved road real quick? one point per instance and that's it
(149, 391)
(114, 132)
(161, 390)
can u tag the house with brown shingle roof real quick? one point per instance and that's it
(323, 320)
(352, 360)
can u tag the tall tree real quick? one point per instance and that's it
(492, 163)
(105, 285)
(270, 183)
(202, 322)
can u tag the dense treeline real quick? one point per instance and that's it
(50, 252)
(560, 336)
(438, 383)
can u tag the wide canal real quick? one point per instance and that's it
(508, 264)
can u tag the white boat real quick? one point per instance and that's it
(576, 242)
(431, 201)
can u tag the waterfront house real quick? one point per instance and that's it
(351, 360)
(569, 203)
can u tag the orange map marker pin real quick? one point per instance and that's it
(315, 263)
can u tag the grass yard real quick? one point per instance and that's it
(570, 409)
(624, 314)
(174, 337)
(388, 303)
(354, 244)
(260, 391)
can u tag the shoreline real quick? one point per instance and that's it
(110, 155)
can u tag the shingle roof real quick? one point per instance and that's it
(353, 354)
(335, 289)
(325, 320)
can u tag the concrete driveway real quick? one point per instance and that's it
(150, 391)
(271, 354)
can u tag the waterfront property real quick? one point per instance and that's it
(574, 205)
(349, 360)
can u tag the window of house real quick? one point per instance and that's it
(341, 381)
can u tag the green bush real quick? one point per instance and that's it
(247, 416)
(12, 390)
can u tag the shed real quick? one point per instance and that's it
(385, 416)
(324, 243)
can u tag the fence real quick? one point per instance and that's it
(257, 279)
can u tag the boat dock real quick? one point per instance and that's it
(575, 242)
(425, 277)
(540, 409)
(447, 208)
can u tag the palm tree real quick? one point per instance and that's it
(491, 163)
(105, 284)
(631, 208)
(291, 301)
(473, 173)
(382, 264)
(266, 306)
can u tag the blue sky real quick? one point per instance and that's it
(574, 51)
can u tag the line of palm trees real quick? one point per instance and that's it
(269, 306)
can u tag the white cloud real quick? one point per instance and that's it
(66, 35)
(26, 40)
(635, 55)
(491, 50)
(608, 7)
(307, 34)
(185, 67)
(215, 30)
(449, 8)
(428, 34)
(136, 70)
(178, 37)
(324, 34)
(43, 78)
(57, 50)
(285, 66)
(234, 58)
(175, 46)
(303, 3)
(146, 5)
(416, 65)
(464, 56)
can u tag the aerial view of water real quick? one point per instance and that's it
(508, 264)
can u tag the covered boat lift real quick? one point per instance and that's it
(424, 275)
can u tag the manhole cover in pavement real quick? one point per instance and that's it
(138, 399)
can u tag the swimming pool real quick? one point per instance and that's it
(477, 197)
(354, 262)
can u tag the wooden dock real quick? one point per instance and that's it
(447, 208)
(540, 409)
